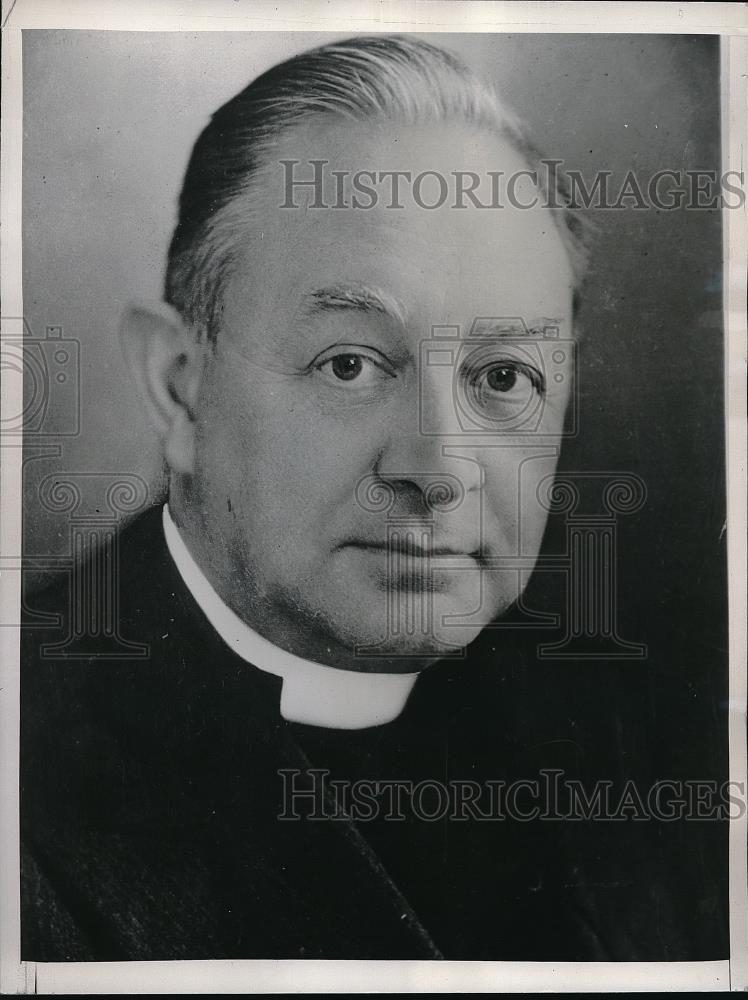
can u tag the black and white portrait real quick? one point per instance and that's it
(374, 582)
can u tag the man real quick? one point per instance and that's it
(361, 389)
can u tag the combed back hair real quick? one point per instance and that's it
(366, 79)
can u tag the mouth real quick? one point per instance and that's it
(410, 548)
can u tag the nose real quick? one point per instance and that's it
(426, 464)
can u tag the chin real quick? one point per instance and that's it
(418, 651)
(406, 631)
(365, 621)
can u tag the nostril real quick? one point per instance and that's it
(411, 500)
(426, 492)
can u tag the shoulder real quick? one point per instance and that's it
(104, 650)
(128, 696)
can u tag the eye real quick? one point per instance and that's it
(509, 379)
(366, 370)
(346, 367)
(502, 378)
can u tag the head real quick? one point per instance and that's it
(355, 394)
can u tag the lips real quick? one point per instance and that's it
(409, 547)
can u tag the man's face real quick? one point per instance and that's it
(354, 489)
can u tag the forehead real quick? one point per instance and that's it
(444, 264)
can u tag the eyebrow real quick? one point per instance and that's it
(360, 298)
(514, 326)
(363, 298)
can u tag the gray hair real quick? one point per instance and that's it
(377, 78)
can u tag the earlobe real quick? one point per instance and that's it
(179, 444)
(166, 360)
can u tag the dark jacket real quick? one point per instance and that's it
(151, 792)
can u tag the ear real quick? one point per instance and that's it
(167, 362)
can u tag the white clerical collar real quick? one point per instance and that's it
(312, 693)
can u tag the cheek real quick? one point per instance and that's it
(516, 482)
(272, 441)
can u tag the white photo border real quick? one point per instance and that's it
(730, 21)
